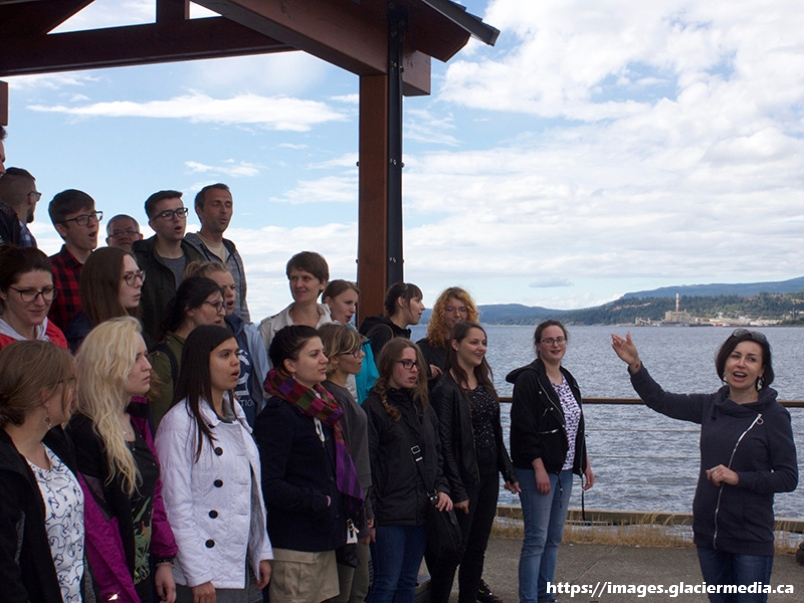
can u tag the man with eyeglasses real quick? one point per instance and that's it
(214, 207)
(122, 231)
(163, 257)
(75, 219)
(18, 198)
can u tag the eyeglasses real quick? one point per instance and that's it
(218, 305)
(462, 310)
(30, 295)
(408, 365)
(84, 219)
(552, 340)
(119, 233)
(168, 214)
(37, 195)
(131, 277)
(754, 335)
(356, 353)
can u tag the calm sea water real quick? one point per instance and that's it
(643, 460)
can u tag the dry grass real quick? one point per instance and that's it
(645, 530)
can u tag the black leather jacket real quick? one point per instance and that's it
(457, 439)
(538, 428)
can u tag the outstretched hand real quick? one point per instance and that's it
(626, 351)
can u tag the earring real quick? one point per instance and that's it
(760, 383)
(47, 419)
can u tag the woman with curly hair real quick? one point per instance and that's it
(128, 534)
(400, 419)
(452, 306)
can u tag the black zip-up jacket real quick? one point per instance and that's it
(398, 495)
(380, 330)
(27, 573)
(755, 440)
(538, 428)
(458, 441)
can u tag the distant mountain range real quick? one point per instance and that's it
(720, 297)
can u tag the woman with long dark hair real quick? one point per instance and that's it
(212, 476)
(111, 284)
(400, 420)
(26, 294)
(198, 301)
(309, 480)
(129, 542)
(747, 455)
(548, 446)
(474, 456)
(403, 307)
(42, 504)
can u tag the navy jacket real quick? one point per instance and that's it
(755, 440)
(298, 473)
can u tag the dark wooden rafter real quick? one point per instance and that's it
(134, 45)
(35, 17)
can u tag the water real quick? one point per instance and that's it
(643, 460)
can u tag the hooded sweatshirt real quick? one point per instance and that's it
(755, 440)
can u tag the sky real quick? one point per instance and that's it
(600, 147)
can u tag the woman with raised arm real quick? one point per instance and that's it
(26, 294)
(747, 455)
(111, 286)
(400, 420)
(474, 456)
(42, 504)
(309, 480)
(548, 446)
(212, 477)
(129, 542)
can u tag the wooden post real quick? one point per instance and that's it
(372, 241)
(3, 103)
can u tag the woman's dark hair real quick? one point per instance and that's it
(287, 343)
(537, 335)
(311, 262)
(16, 261)
(195, 380)
(407, 291)
(482, 372)
(336, 287)
(735, 339)
(386, 363)
(101, 278)
(190, 295)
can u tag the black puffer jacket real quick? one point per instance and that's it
(538, 428)
(398, 495)
(458, 442)
(380, 330)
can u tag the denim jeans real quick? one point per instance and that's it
(544, 516)
(718, 567)
(398, 555)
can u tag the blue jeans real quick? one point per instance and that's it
(718, 567)
(544, 516)
(398, 555)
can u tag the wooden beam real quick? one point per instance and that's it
(172, 11)
(416, 74)
(372, 275)
(37, 17)
(3, 103)
(340, 32)
(133, 45)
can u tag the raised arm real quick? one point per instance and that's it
(626, 350)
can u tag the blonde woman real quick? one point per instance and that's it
(127, 529)
(42, 505)
(344, 352)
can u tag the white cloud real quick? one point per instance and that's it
(51, 81)
(352, 99)
(275, 113)
(422, 125)
(230, 168)
(329, 189)
(110, 13)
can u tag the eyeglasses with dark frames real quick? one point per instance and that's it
(220, 307)
(119, 233)
(29, 295)
(84, 219)
(552, 340)
(36, 194)
(131, 277)
(168, 214)
(408, 365)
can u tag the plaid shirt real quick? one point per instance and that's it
(66, 277)
(26, 239)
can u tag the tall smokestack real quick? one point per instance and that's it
(678, 302)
